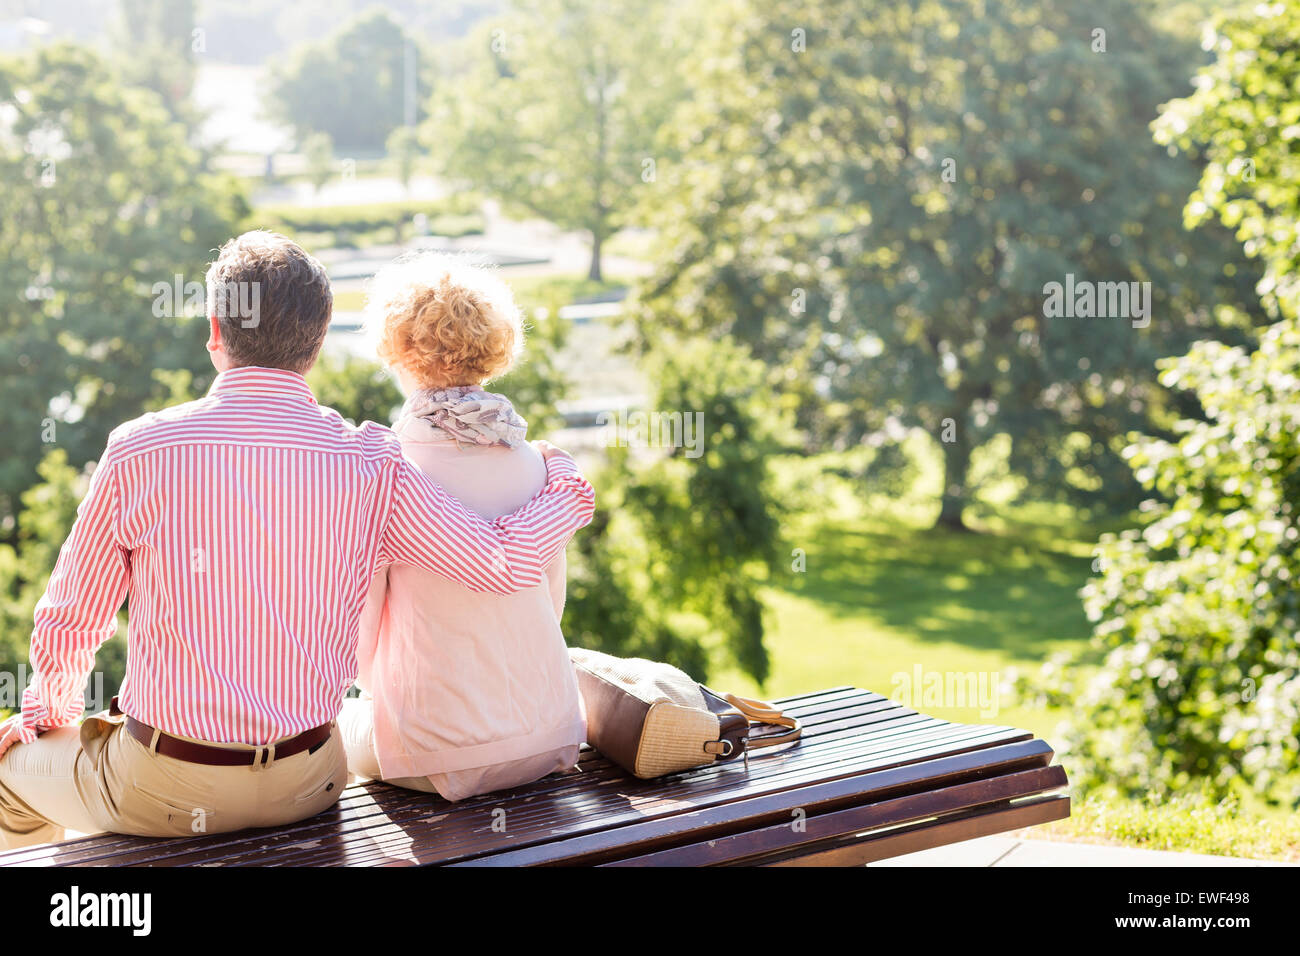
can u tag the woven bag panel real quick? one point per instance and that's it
(673, 739)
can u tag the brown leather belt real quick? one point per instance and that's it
(227, 757)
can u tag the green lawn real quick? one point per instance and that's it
(552, 291)
(876, 603)
(1186, 825)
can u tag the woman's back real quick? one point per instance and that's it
(472, 690)
(464, 691)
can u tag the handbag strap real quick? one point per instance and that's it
(751, 707)
(762, 712)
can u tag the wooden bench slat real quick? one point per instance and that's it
(400, 831)
(924, 836)
(776, 807)
(858, 819)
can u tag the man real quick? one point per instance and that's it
(245, 528)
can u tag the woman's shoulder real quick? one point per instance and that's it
(491, 479)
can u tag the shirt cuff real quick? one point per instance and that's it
(26, 735)
(36, 716)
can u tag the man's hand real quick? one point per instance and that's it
(9, 732)
(547, 449)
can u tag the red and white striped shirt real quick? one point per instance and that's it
(245, 528)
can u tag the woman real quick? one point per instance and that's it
(462, 692)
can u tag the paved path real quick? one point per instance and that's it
(1018, 851)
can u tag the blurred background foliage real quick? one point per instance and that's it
(828, 227)
(349, 86)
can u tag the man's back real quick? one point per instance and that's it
(252, 517)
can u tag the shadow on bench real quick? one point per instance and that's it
(870, 779)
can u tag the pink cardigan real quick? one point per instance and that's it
(463, 680)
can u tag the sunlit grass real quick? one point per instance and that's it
(548, 291)
(1185, 824)
(873, 606)
(883, 595)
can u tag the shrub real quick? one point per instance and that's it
(1198, 611)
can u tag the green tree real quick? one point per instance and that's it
(318, 155)
(874, 202)
(1244, 120)
(351, 85)
(106, 210)
(556, 109)
(1198, 611)
(683, 539)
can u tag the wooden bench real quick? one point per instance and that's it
(870, 779)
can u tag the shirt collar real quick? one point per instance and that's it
(253, 380)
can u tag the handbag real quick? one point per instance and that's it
(652, 719)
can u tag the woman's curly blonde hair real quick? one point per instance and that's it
(443, 321)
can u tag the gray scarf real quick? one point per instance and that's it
(465, 414)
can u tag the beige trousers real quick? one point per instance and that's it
(99, 778)
(357, 728)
